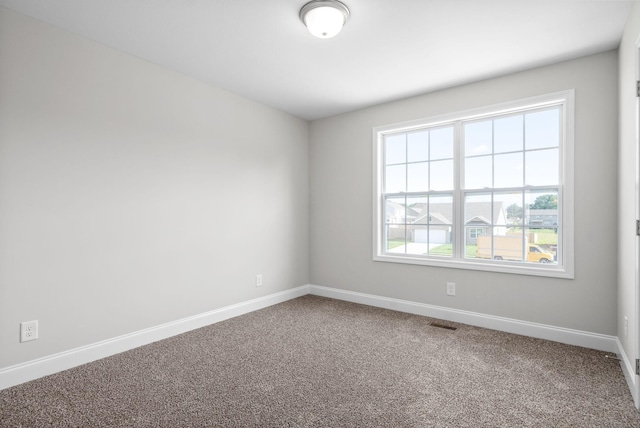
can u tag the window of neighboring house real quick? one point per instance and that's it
(474, 233)
(470, 190)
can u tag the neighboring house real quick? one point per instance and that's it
(479, 217)
(397, 213)
(439, 218)
(396, 216)
(435, 226)
(547, 218)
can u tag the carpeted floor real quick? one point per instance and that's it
(316, 362)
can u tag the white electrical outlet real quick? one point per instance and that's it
(28, 331)
(451, 288)
(258, 280)
(626, 326)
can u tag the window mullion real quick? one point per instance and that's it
(524, 184)
(406, 187)
(458, 202)
(493, 186)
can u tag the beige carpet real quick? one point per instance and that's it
(316, 362)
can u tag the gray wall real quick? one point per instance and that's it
(341, 204)
(627, 186)
(131, 196)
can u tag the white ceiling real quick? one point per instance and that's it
(389, 49)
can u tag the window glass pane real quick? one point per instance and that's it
(511, 205)
(395, 238)
(417, 239)
(394, 210)
(477, 209)
(395, 179)
(541, 225)
(477, 173)
(417, 210)
(478, 138)
(505, 247)
(508, 170)
(508, 134)
(395, 149)
(516, 231)
(418, 177)
(441, 145)
(542, 129)
(478, 216)
(541, 209)
(542, 245)
(440, 241)
(441, 225)
(394, 229)
(477, 242)
(541, 168)
(442, 175)
(507, 211)
(418, 146)
(441, 210)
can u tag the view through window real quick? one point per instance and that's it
(487, 190)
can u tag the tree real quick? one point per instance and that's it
(545, 202)
(514, 211)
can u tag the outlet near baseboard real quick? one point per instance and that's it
(451, 288)
(28, 331)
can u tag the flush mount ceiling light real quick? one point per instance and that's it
(324, 18)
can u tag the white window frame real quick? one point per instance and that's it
(565, 265)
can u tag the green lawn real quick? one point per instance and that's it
(543, 236)
(441, 250)
(393, 243)
(447, 250)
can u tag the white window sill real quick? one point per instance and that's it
(546, 270)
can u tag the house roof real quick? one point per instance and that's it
(397, 207)
(481, 211)
(474, 212)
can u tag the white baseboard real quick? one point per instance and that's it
(629, 370)
(557, 334)
(30, 370)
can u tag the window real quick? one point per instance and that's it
(489, 189)
(474, 233)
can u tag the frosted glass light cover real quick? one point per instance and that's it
(324, 22)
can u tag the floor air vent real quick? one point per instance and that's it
(447, 327)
